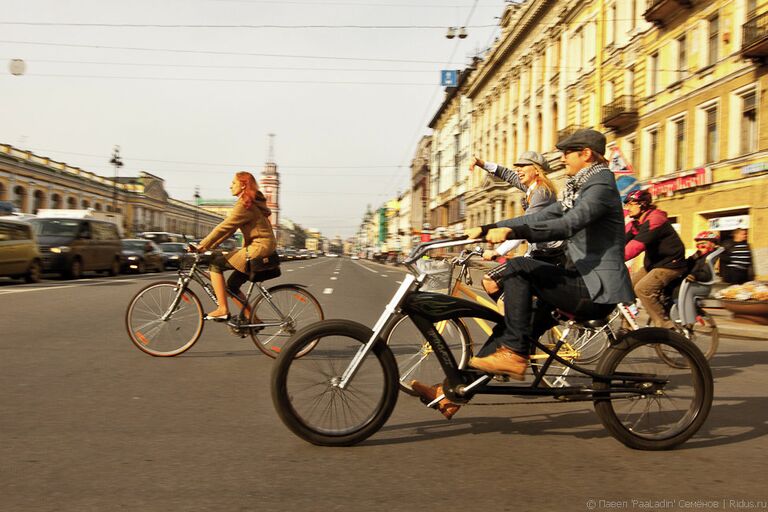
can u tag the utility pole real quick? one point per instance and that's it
(117, 162)
(197, 211)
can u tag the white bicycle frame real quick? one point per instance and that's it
(411, 283)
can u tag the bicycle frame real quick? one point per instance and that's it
(203, 279)
(426, 309)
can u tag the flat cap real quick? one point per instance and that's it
(532, 157)
(584, 138)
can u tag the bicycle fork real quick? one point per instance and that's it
(409, 282)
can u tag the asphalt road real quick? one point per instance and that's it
(90, 423)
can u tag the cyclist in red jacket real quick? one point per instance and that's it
(651, 232)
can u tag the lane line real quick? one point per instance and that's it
(334, 278)
(328, 291)
(363, 266)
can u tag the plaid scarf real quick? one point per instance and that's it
(574, 183)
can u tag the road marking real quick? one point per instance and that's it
(328, 291)
(334, 278)
(91, 282)
(290, 270)
(363, 266)
(399, 282)
(336, 272)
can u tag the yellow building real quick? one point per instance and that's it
(689, 116)
(33, 182)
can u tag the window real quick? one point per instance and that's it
(653, 73)
(630, 151)
(714, 32)
(682, 58)
(710, 140)
(679, 145)
(749, 123)
(653, 150)
(632, 15)
(610, 29)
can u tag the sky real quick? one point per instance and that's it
(190, 90)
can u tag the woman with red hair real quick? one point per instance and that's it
(251, 216)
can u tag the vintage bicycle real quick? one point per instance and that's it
(345, 390)
(166, 318)
(417, 361)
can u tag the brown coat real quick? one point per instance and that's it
(258, 238)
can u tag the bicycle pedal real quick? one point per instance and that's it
(502, 378)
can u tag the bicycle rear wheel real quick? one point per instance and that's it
(306, 392)
(300, 309)
(668, 405)
(169, 337)
(414, 355)
(704, 334)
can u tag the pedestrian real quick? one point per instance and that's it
(251, 216)
(530, 176)
(736, 262)
(589, 285)
(650, 232)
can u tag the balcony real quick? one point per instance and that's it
(661, 11)
(755, 41)
(620, 114)
(567, 131)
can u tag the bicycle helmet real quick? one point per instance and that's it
(709, 236)
(642, 197)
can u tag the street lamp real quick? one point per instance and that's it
(117, 163)
(197, 210)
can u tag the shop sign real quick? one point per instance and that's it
(681, 181)
(729, 223)
(754, 168)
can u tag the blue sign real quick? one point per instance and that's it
(626, 184)
(449, 78)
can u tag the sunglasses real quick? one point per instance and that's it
(572, 150)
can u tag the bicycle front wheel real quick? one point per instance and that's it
(156, 336)
(660, 406)
(306, 391)
(704, 334)
(290, 309)
(414, 355)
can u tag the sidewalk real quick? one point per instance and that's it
(727, 325)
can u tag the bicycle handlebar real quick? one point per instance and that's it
(424, 247)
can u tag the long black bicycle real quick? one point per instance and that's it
(165, 318)
(346, 388)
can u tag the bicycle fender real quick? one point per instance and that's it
(286, 285)
(438, 306)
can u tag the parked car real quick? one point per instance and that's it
(291, 254)
(71, 246)
(304, 254)
(281, 253)
(228, 246)
(19, 255)
(174, 253)
(140, 255)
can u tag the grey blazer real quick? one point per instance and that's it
(594, 228)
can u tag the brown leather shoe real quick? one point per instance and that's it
(429, 393)
(504, 361)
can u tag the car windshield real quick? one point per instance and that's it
(55, 227)
(134, 245)
(172, 247)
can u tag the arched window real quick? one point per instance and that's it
(39, 201)
(2, 192)
(86, 204)
(71, 203)
(97, 207)
(19, 197)
(56, 201)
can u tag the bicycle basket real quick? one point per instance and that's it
(438, 275)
